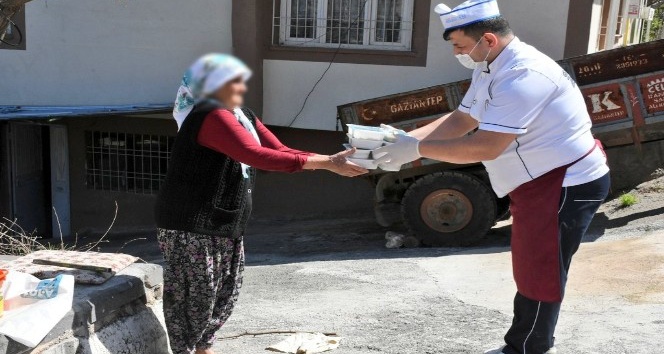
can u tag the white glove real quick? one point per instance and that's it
(391, 129)
(392, 132)
(389, 167)
(404, 150)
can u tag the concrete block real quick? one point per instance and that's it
(143, 333)
(115, 312)
(10, 346)
(66, 346)
(94, 302)
(151, 274)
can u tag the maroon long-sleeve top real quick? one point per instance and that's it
(222, 132)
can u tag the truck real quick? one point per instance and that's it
(444, 204)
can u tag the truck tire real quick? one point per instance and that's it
(449, 208)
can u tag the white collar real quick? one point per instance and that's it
(506, 55)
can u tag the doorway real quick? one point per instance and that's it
(37, 160)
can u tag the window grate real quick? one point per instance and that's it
(133, 163)
(368, 24)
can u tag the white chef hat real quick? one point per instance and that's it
(466, 13)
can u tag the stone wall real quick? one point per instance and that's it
(633, 164)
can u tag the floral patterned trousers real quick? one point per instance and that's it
(202, 279)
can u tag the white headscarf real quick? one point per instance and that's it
(204, 77)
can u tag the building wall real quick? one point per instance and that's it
(93, 210)
(100, 52)
(280, 195)
(594, 25)
(149, 47)
(583, 27)
(542, 23)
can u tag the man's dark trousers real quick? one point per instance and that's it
(534, 322)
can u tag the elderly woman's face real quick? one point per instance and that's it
(232, 93)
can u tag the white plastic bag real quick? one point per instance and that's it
(306, 343)
(26, 320)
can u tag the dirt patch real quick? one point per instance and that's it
(632, 268)
(614, 221)
(649, 194)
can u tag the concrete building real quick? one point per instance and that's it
(86, 96)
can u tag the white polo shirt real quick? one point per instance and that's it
(526, 93)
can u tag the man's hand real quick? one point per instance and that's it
(390, 167)
(404, 150)
(392, 132)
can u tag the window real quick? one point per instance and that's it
(12, 31)
(361, 24)
(135, 163)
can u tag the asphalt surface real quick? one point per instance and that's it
(333, 274)
(314, 277)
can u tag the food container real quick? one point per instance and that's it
(365, 132)
(359, 153)
(365, 144)
(366, 163)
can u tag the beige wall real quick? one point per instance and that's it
(542, 23)
(109, 52)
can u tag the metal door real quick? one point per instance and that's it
(60, 181)
(29, 201)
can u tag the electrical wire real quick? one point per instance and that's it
(329, 66)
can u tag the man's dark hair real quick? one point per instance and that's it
(497, 25)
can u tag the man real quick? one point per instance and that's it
(533, 136)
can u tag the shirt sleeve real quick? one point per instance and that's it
(268, 139)
(516, 99)
(467, 100)
(222, 133)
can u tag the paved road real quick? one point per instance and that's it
(319, 278)
(333, 274)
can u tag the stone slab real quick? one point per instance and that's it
(98, 306)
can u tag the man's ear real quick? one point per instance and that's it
(491, 39)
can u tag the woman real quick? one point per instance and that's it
(205, 202)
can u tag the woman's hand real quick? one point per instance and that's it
(340, 165)
(336, 163)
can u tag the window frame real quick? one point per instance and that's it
(19, 19)
(369, 36)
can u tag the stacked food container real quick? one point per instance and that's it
(365, 139)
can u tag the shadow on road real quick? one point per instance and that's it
(325, 238)
(601, 222)
(336, 238)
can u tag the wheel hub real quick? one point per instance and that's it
(446, 210)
